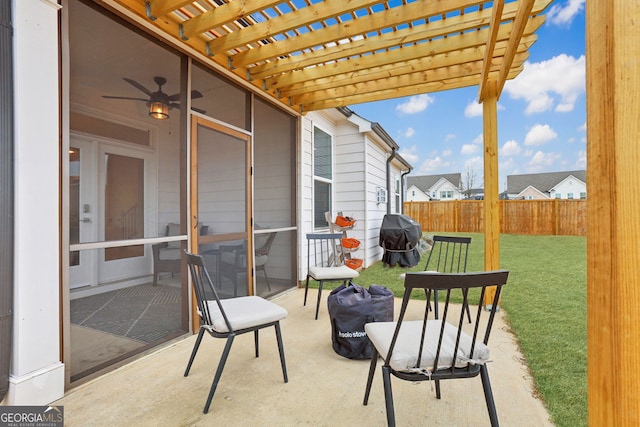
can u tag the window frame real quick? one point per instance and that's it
(320, 179)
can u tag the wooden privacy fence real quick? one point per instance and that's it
(542, 217)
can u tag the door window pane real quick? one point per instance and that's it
(124, 204)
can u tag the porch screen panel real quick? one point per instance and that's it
(274, 198)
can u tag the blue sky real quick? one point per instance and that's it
(541, 113)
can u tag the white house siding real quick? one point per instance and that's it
(36, 375)
(531, 193)
(419, 195)
(445, 185)
(569, 185)
(360, 168)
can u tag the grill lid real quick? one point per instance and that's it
(399, 237)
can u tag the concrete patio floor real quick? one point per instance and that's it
(324, 389)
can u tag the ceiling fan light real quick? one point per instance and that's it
(159, 110)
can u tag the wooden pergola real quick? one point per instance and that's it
(309, 55)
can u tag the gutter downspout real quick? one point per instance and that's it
(389, 160)
(6, 193)
(402, 190)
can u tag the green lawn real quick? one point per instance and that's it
(545, 300)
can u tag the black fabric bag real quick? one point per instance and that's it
(350, 307)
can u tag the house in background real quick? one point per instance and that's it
(366, 182)
(551, 185)
(434, 187)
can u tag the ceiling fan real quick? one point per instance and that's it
(159, 103)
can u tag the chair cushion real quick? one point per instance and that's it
(405, 354)
(245, 312)
(169, 254)
(333, 273)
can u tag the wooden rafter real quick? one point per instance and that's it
(311, 55)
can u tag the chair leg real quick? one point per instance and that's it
(488, 396)
(216, 378)
(388, 396)
(281, 350)
(372, 371)
(438, 395)
(319, 295)
(306, 289)
(435, 303)
(194, 351)
(256, 339)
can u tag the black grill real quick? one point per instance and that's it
(399, 237)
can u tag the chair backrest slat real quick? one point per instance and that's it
(448, 254)
(203, 285)
(327, 250)
(430, 282)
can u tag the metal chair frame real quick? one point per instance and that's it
(430, 282)
(203, 287)
(328, 253)
(449, 254)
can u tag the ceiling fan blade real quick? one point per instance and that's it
(125, 97)
(199, 110)
(174, 105)
(194, 95)
(137, 86)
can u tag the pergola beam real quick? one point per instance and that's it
(520, 23)
(613, 228)
(496, 18)
(224, 14)
(290, 21)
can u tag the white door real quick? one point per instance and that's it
(111, 201)
(83, 211)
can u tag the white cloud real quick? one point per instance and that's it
(409, 154)
(449, 137)
(447, 153)
(468, 149)
(564, 14)
(510, 148)
(581, 163)
(583, 128)
(431, 166)
(559, 80)
(478, 140)
(540, 161)
(408, 133)
(539, 135)
(415, 104)
(473, 109)
(475, 164)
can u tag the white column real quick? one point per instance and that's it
(37, 374)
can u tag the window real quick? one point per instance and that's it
(558, 196)
(446, 194)
(322, 176)
(583, 194)
(569, 195)
(413, 193)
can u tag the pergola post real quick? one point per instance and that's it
(613, 231)
(491, 208)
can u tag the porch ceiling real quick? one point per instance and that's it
(313, 55)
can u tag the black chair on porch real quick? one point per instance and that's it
(448, 255)
(325, 262)
(229, 318)
(431, 349)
